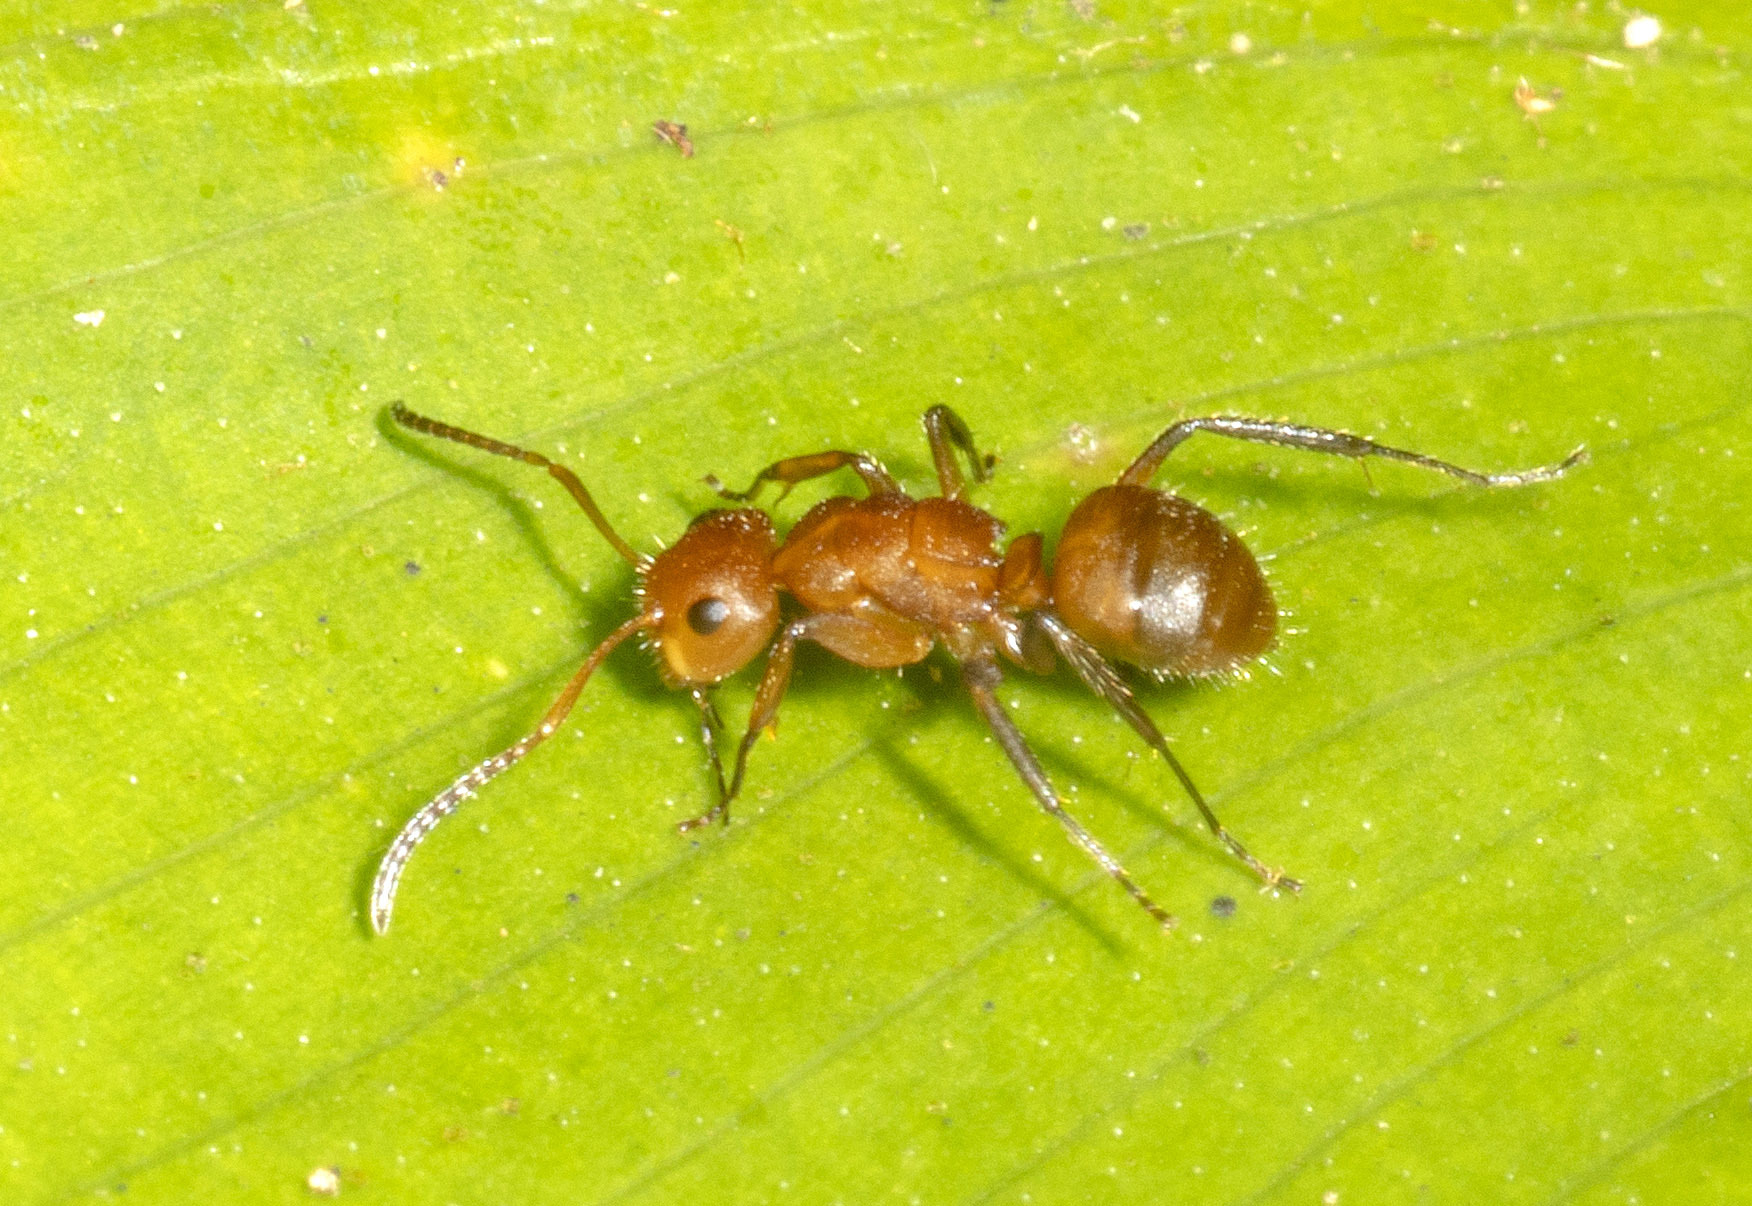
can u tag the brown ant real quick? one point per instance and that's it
(1140, 576)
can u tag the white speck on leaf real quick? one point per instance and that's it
(1642, 31)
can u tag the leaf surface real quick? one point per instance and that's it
(251, 626)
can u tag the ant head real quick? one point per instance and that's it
(710, 599)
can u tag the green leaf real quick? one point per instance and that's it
(249, 626)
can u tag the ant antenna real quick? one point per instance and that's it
(566, 478)
(389, 872)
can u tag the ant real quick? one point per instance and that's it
(1141, 576)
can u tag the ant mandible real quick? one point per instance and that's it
(1140, 576)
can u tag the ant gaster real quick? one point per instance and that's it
(1140, 576)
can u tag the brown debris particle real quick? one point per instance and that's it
(1531, 103)
(442, 178)
(734, 234)
(675, 134)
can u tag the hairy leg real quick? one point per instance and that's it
(1101, 678)
(1321, 439)
(982, 677)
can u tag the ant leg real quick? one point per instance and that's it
(773, 683)
(1320, 439)
(389, 871)
(710, 726)
(867, 640)
(1103, 680)
(946, 432)
(794, 469)
(981, 677)
(563, 475)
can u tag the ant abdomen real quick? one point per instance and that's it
(1159, 582)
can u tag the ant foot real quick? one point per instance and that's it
(720, 813)
(1275, 878)
(1163, 917)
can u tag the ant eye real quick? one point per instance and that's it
(705, 616)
